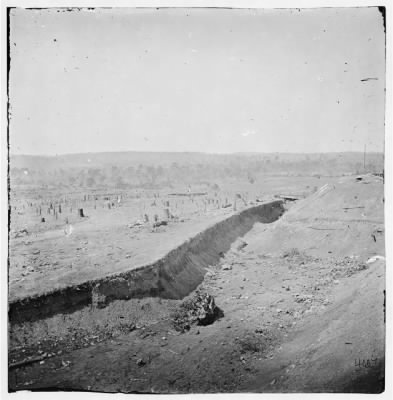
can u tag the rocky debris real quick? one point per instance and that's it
(199, 309)
(65, 364)
(347, 267)
(22, 232)
(241, 244)
(305, 298)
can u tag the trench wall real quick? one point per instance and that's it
(172, 277)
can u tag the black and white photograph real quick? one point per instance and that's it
(196, 199)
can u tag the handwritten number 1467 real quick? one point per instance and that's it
(365, 363)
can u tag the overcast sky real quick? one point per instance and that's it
(209, 80)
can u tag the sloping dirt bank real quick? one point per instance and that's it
(171, 277)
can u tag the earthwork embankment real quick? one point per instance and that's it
(173, 276)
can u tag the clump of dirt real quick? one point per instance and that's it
(199, 309)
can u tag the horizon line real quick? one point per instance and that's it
(190, 152)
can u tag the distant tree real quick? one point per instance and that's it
(114, 171)
(151, 174)
(130, 171)
(102, 178)
(90, 182)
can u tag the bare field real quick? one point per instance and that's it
(118, 229)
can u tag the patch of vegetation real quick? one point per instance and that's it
(297, 256)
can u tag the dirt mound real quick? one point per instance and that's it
(199, 309)
(345, 218)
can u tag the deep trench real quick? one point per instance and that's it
(173, 277)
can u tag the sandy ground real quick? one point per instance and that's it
(303, 306)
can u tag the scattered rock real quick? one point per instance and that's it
(65, 364)
(305, 298)
(226, 267)
(374, 258)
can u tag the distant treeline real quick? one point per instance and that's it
(155, 170)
